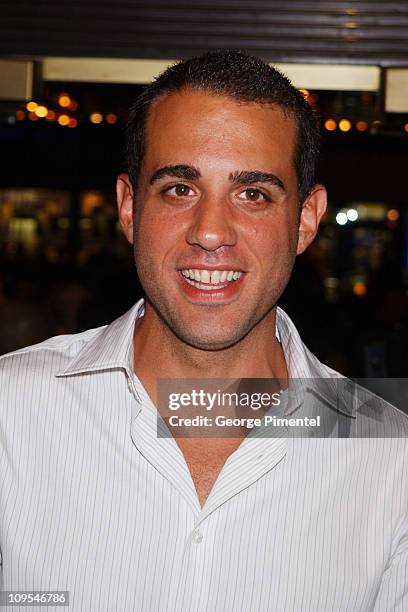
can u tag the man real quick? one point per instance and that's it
(220, 199)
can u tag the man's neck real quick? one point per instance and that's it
(160, 354)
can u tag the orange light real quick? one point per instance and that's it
(344, 125)
(111, 118)
(73, 105)
(305, 93)
(50, 116)
(41, 111)
(406, 127)
(31, 106)
(330, 125)
(20, 115)
(63, 119)
(64, 100)
(32, 117)
(361, 126)
(95, 118)
(359, 288)
(393, 214)
(72, 123)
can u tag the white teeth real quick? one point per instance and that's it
(207, 287)
(210, 277)
(204, 276)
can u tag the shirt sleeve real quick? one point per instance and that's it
(393, 593)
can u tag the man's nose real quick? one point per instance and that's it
(212, 225)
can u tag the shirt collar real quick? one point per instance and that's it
(112, 348)
(308, 375)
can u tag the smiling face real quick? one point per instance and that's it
(216, 227)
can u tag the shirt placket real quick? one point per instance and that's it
(253, 458)
(250, 462)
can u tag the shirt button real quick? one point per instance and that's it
(197, 536)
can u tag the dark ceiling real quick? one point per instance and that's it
(356, 31)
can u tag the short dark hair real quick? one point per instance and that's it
(242, 77)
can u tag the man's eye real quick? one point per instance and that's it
(179, 190)
(254, 195)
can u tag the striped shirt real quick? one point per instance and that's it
(94, 503)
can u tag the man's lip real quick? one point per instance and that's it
(211, 268)
(220, 293)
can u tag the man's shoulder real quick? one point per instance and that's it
(376, 416)
(97, 349)
(48, 356)
(366, 402)
(350, 407)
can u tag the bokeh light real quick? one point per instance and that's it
(111, 118)
(64, 100)
(393, 214)
(341, 218)
(344, 125)
(330, 125)
(361, 126)
(31, 106)
(95, 118)
(41, 111)
(352, 214)
(359, 288)
(63, 120)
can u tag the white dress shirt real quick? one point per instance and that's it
(94, 503)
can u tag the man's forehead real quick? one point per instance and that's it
(189, 98)
(198, 127)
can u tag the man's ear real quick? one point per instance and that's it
(124, 197)
(313, 210)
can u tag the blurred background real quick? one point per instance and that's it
(69, 73)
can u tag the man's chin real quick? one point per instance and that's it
(209, 335)
(209, 341)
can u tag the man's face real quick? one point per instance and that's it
(216, 226)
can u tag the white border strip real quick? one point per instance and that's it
(334, 77)
(309, 76)
(16, 79)
(396, 90)
(100, 70)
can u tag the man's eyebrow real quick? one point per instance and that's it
(256, 176)
(181, 171)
